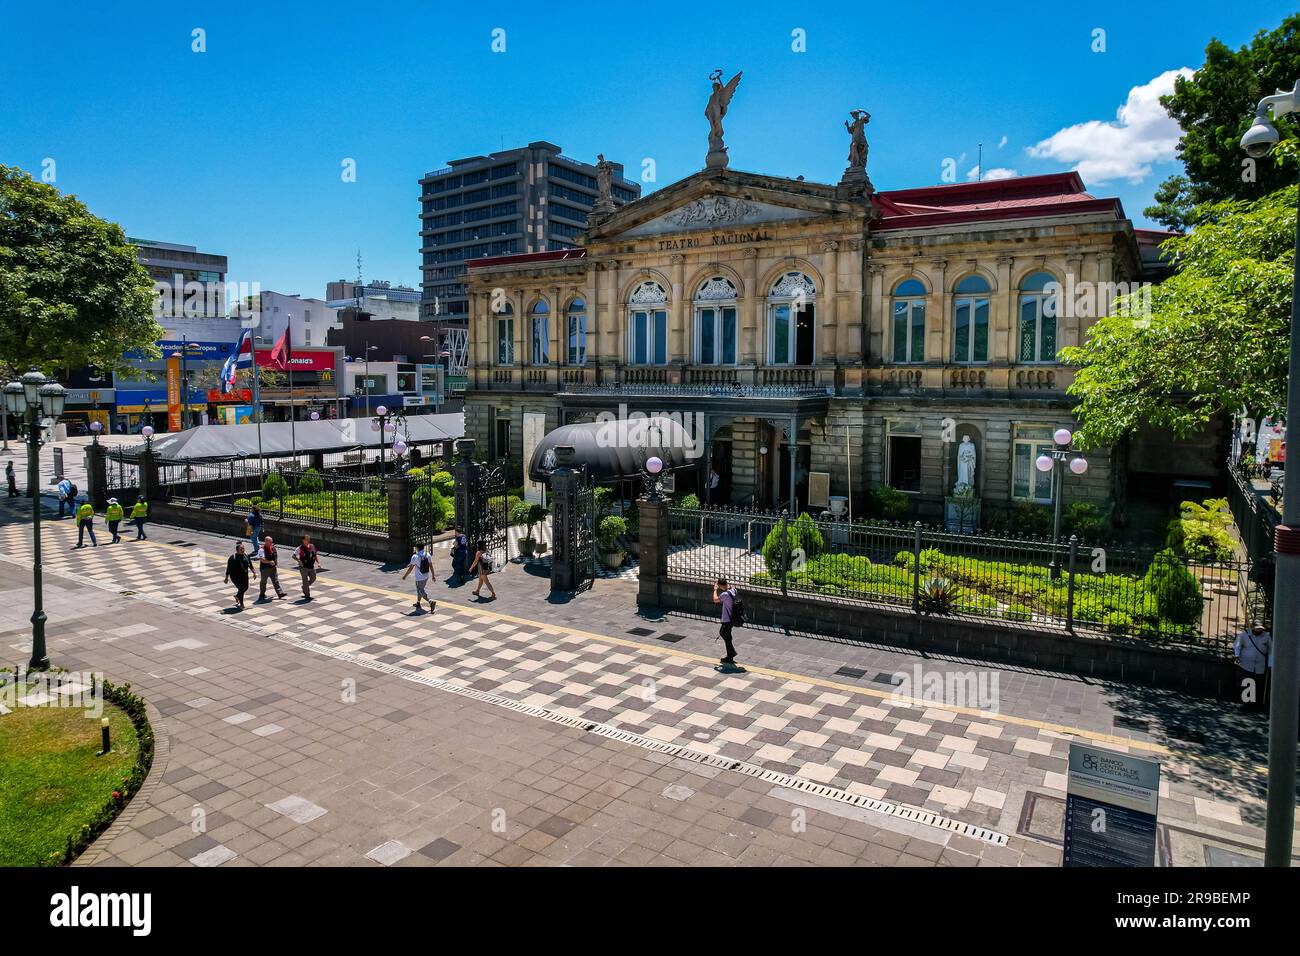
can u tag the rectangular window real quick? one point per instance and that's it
(971, 330)
(909, 331)
(780, 335)
(578, 340)
(716, 329)
(1037, 331)
(1027, 482)
(540, 340)
(708, 333)
(728, 322)
(505, 341)
(649, 331)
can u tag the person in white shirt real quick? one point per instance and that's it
(422, 565)
(1253, 653)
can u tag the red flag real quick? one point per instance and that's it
(280, 354)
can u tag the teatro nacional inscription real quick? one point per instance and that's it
(717, 239)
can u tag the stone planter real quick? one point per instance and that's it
(612, 559)
(527, 547)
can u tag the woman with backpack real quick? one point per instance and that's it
(483, 564)
(732, 616)
(422, 565)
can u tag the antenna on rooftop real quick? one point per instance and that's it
(356, 291)
(979, 167)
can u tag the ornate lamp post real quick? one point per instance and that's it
(1055, 462)
(652, 476)
(1284, 709)
(31, 400)
(95, 428)
(384, 422)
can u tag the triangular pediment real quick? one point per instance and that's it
(721, 199)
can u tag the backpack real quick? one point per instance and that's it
(737, 611)
(424, 564)
(485, 562)
(308, 556)
(72, 491)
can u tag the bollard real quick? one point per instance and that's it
(103, 736)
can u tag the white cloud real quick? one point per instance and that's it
(1141, 134)
(997, 172)
(1002, 142)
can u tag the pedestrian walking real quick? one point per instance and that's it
(254, 525)
(267, 560)
(239, 566)
(140, 514)
(483, 565)
(732, 616)
(1252, 652)
(86, 523)
(67, 497)
(114, 514)
(459, 557)
(11, 479)
(307, 560)
(422, 565)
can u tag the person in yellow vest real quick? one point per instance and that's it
(114, 515)
(140, 514)
(86, 522)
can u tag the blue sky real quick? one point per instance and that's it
(239, 149)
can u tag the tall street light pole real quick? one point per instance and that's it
(1055, 462)
(33, 399)
(1284, 709)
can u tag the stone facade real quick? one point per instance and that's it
(817, 382)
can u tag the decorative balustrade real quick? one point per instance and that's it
(968, 378)
(1035, 378)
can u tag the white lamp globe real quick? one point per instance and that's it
(374, 426)
(1062, 436)
(654, 465)
(96, 427)
(147, 431)
(1078, 465)
(1043, 462)
(399, 448)
(315, 416)
(381, 410)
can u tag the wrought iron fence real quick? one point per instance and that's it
(1122, 591)
(323, 499)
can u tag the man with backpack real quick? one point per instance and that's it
(67, 497)
(307, 559)
(733, 615)
(422, 565)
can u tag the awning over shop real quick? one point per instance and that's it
(617, 450)
(279, 439)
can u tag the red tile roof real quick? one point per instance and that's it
(552, 256)
(1021, 197)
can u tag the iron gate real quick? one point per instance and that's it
(482, 508)
(583, 527)
(573, 521)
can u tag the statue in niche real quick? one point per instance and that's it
(965, 466)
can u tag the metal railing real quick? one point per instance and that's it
(1123, 592)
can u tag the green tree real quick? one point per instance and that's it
(1176, 591)
(71, 290)
(1216, 337)
(1214, 107)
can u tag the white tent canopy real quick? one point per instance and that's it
(280, 439)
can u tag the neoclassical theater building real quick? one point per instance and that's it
(834, 338)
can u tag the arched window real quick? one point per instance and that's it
(715, 322)
(791, 320)
(576, 315)
(540, 332)
(505, 335)
(1038, 317)
(647, 325)
(970, 304)
(909, 321)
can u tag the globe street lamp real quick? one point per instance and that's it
(384, 422)
(32, 400)
(1055, 461)
(1284, 710)
(95, 428)
(654, 467)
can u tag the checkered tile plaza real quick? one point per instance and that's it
(806, 729)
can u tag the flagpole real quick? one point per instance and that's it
(257, 404)
(293, 411)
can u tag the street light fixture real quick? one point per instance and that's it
(1055, 461)
(32, 400)
(1284, 710)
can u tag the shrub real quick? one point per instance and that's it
(1017, 612)
(891, 502)
(519, 513)
(274, 486)
(938, 595)
(311, 482)
(243, 503)
(1027, 518)
(985, 605)
(508, 503)
(604, 501)
(1118, 623)
(691, 502)
(429, 511)
(905, 559)
(1176, 591)
(1203, 532)
(801, 534)
(1085, 519)
(608, 531)
(444, 483)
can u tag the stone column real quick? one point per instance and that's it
(1068, 323)
(938, 335)
(618, 321)
(97, 475)
(876, 318)
(559, 333)
(677, 312)
(1004, 319)
(828, 320)
(751, 315)
(653, 551)
(400, 535)
(591, 294)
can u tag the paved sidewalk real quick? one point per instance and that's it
(798, 713)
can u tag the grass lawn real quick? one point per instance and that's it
(51, 781)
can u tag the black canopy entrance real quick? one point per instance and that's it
(616, 450)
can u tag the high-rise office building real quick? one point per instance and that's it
(530, 199)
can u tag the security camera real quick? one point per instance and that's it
(1259, 139)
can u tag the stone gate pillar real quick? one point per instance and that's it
(465, 472)
(653, 549)
(150, 488)
(97, 475)
(565, 484)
